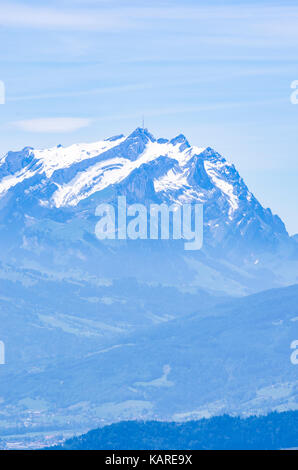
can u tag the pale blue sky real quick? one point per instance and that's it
(219, 72)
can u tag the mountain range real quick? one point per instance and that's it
(100, 331)
(48, 200)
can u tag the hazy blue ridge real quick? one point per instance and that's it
(272, 432)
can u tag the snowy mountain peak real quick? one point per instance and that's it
(181, 139)
(143, 134)
(145, 169)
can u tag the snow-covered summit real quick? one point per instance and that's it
(88, 168)
(145, 169)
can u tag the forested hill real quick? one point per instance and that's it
(274, 431)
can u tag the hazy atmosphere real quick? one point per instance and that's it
(148, 225)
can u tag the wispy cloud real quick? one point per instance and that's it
(66, 124)
(52, 125)
(81, 93)
(36, 17)
(257, 19)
